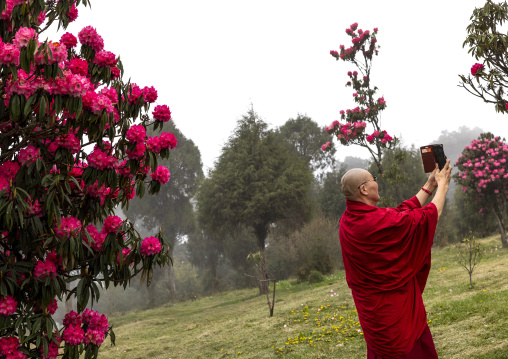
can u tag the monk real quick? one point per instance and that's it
(386, 253)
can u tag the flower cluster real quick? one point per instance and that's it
(165, 141)
(361, 40)
(28, 155)
(88, 36)
(483, 169)
(69, 227)
(44, 269)
(101, 160)
(69, 40)
(8, 305)
(161, 113)
(9, 348)
(112, 224)
(97, 326)
(150, 246)
(346, 132)
(383, 137)
(476, 69)
(161, 175)
(23, 36)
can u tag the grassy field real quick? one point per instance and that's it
(320, 321)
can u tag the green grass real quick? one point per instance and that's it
(310, 321)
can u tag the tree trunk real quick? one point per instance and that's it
(502, 229)
(68, 302)
(261, 233)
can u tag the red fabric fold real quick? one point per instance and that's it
(386, 254)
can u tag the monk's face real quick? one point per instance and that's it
(369, 189)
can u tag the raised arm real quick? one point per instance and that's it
(443, 178)
(430, 186)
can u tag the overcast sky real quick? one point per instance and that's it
(209, 60)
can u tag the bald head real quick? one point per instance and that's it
(351, 180)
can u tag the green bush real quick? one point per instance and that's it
(316, 277)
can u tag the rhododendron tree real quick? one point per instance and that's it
(488, 42)
(483, 176)
(362, 124)
(73, 147)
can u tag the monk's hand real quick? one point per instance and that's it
(443, 176)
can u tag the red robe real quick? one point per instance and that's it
(386, 253)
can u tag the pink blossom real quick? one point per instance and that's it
(150, 94)
(73, 12)
(326, 146)
(53, 53)
(134, 94)
(137, 152)
(69, 40)
(476, 68)
(9, 54)
(95, 337)
(78, 66)
(73, 335)
(41, 17)
(162, 113)
(125, 253)
(9, 169)
(161, 175)
(28, 155)
(370, 138)
(23, 36)
(8, 305)
(101, 160)
(8, 345)
(135, 134)
(150, 246)
(52, 307)
(167, 140)
(72, 318)
(88, 36)
(112, 224)
(69, 226)
(105, 59)
(44, 269)
(153, 144)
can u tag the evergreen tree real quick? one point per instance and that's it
(257, 182)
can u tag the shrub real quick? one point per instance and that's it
(316, 276)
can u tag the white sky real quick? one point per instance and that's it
(209, 60)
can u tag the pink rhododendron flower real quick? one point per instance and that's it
(95, 337)
(69, 40)
(476, 68)
(74, 335)
(161, 175)
(112, 224)
(9, 54)
(150, 94)
(125, 254)
(69, 226)
(161, 113)
(153, 144)
(41, 18)
(8, 305)
(73, 12)
(136, 133)
(150, 246)
(137, 152)
(167, 140)
(101, 160)
(52, 307)
(53, 53)
(44, 269)
(88, 36)
(23, 36)
(72, 318)
(326, 146)
(105, 59)
(8, 345)
(78, 66)
(134, 94)
(28, 155)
